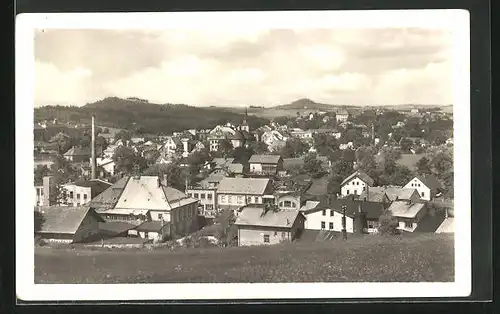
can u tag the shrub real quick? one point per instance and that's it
(388, 224)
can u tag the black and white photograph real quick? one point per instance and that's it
(314, 154)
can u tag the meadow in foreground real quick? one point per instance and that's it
(422, 258)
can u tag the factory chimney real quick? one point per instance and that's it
(93, 157)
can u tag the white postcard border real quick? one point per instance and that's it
(456, 21)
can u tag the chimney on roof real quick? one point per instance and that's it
(93, 157)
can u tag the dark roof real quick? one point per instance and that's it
(360, 174)
(373, 210)
(290, 163)
(153, 226)
(237, 136)
(430, 181)
(62, 219)
(265, 159)
(247, 135)
(319, 186)
(109, 197)
(97, 186)
(250, 186)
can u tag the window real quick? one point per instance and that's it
(281, 204)
(41, 192)
(223, 199)
(209, 196)
(322, 225)
(294, 204)
(357, 183)
(71, 194)
(423, 194)
(160, 217)
(195, 195)
(85, 196)
(364, 188)
(419, 185)
(348, 192)
(266, 238)
(240, 199)
(323, 212)
(145, 234)
(230, 199)
(330, 225)
(283, 234)
(287, 203)
(275, 233)
(202, 195)
(331, 212)
(356, 192)
(78, 196)
(408, 224)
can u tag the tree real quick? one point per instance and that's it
(126, 159)
(39, 220)
(224, 221)
(442, 163)
(101, 143)
(437, 137)
(241, 154)
(225, 147)
(105, 131)
(124, 136)
(449, 184)
(259, 147)
(312, 165)
(341, 169)
(388, 224)
(151, 156)
(294, 147)
(423, 166)
(40, 172)
(406, 144)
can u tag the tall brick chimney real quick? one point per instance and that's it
(93, 157)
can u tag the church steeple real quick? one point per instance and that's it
(244, 126)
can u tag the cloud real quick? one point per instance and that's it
(245, 66)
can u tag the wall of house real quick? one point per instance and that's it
(248, 235)
(256, 167)
(297, 227)
(56, 237)
(238, 199)
(355, 186)
(158, 215)
(207, 199)
(184, 220)
(77, 195)
(372, 225)
(314, 219)
(403, 224)
(88, 228)
(423, 190)
(39, 197)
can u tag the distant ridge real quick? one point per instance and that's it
(305, 103)
(142, 116)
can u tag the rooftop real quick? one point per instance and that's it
(253, 186)
(360, 174)
(62, 219)
(253, 216)
(405, 209)
(265, 159)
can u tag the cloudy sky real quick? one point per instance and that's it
(250, 67)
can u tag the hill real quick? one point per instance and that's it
(413, 258)
(145, 117)
(305, 103)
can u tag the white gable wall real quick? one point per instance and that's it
(314, 219)
(355, 186)
(423, 190)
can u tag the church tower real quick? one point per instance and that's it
(244, 126)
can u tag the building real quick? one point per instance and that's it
(69, 224)
(356, 183)
(107, 164)
(304, 135)
(151, 230)
(77, 154)
(206, 194)
(266, 164)
(427, 186)
(148, 198)
(274, 140)
(80, 193)
(234, 193)
(342, 116)
(409, 214)
(43, 191)
(328, 215)
(289, 201)
(258, 226)
(237, 137)
(447, 226)
(389, 194)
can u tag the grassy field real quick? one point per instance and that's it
(426, 257)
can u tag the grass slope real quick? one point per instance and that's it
(425, 257)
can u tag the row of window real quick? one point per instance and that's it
(323, 225)
(415, 184)
(39, 192)
(288, 204)
(228, 199)
(201, 195)
(331, 212)
(70, 195)
(267, 238)
(355, 182)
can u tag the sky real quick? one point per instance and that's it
(258, 67)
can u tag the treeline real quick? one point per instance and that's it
(145, 117)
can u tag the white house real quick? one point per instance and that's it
(356, 183)
(234, 193)
(342, 116)
(427, 186)
(322, 217)
(409, 214)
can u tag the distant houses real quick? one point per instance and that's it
(234, 193)
(427, 186)
(356, 183)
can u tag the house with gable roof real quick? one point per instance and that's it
(234, 193)
(427, 186)
(260, 226)
(148, 198)
(408, 213)
(266, 164)
(69, 224)
(356, 183)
